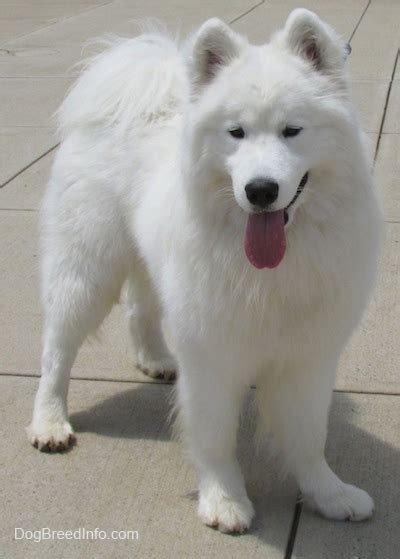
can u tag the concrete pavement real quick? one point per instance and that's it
(127, 473)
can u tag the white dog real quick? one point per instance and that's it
(226, 187)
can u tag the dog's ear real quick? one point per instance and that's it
(214, 46)
(306, 35)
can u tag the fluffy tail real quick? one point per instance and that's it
(133, 79)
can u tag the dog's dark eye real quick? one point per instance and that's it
(237, 133)
(291, 131)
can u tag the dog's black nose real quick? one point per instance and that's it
(262, 192)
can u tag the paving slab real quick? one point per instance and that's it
(27, 124)
(111, 358)
(364, 449)
(31, 56)
(22, 18)
(20, 146)
(126, 473)
(67, 6)
(370, 98)
(387, 172)
(392, 118)
(371, 361)
(376, 41)
(25, 192)
(30, 102)
(52, 51)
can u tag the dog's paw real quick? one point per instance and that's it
(228, 514)
(347, 503)
(51, 437)
(163, 368)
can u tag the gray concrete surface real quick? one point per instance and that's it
(127, 472)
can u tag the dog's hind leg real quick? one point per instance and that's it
(152, 355)
(78, 293)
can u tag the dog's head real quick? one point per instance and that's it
(264, 119)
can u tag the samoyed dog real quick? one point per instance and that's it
(225, 188)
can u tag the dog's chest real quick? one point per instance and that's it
(258, 305)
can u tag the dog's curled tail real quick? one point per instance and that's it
(134, 80)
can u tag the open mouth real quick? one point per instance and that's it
(299, 190)
(265, 242)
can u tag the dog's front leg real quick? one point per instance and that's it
(295, 409)
(210, 396)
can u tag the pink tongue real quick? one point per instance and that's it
(265, 242)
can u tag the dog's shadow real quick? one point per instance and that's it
(359, 457)
(142, 412)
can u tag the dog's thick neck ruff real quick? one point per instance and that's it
(265, 242)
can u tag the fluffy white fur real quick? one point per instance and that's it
(147, 193)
